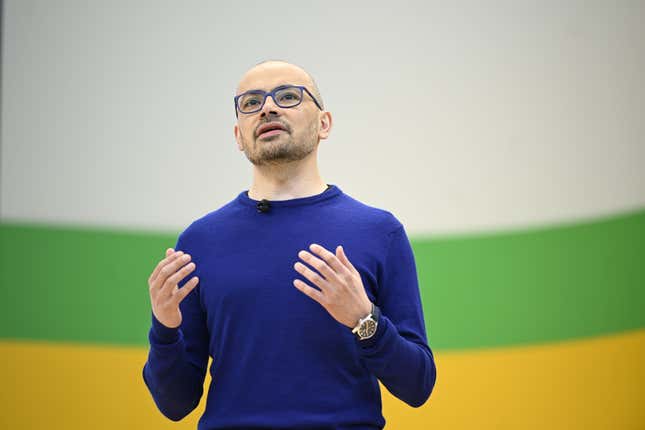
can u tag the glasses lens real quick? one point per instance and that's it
(250, 102)
(288, 97)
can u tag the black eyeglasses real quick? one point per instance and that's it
(285, 96)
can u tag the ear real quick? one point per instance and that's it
(325, 125)
(238, 137)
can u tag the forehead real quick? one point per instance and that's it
(270, 75)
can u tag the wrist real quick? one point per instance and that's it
(364, 310)
(162, 333)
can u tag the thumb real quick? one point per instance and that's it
(169, 251)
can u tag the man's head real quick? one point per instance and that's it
(275, 134)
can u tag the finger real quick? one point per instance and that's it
(309, 291)
(312, 276)
(330, 259)
(174, 279)
(169, 252)
(340, 253)
(170, 269)
(182, 292)
(318, 264)
(161, 265)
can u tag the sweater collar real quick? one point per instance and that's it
(330, 192)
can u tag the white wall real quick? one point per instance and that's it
(456, 118)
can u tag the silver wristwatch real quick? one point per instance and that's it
(367, 326)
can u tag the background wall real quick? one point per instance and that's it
(507, 137)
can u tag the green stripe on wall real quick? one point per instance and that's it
(539, 285)
(542, 285)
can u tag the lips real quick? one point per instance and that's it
(270, 129)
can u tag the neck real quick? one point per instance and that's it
(287, 181)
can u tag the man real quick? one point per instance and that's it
(303, 296)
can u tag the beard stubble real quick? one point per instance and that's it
(281, 148)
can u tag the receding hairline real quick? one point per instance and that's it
(314, 86)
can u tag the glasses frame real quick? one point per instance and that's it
(272, 94)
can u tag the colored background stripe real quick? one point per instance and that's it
(592, 384)
(88, 285)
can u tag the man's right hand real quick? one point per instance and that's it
(165, 296)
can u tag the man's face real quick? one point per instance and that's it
(299, 129)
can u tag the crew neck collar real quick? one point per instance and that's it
(331, 191)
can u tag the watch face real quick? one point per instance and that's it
(367, 329)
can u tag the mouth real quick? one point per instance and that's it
(270, 129)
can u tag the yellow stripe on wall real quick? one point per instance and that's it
(592, 384)
(62, 386)
(597, 383)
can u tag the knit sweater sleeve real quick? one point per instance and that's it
(176, 367)
(398, 354)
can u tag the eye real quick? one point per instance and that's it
(289, 96)
(251, 101)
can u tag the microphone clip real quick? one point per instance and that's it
(263, 206)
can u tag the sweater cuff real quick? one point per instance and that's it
(381, 328)
(159, 333)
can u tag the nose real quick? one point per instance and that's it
(269, 108)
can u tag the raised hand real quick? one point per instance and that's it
(340, 288)
(165, 295)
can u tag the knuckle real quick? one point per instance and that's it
(181, 260)
(169, 282)
(176, 277)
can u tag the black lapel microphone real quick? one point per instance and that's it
(263, 206)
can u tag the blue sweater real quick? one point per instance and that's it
(280, 360)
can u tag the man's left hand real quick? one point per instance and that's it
(341, 290)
